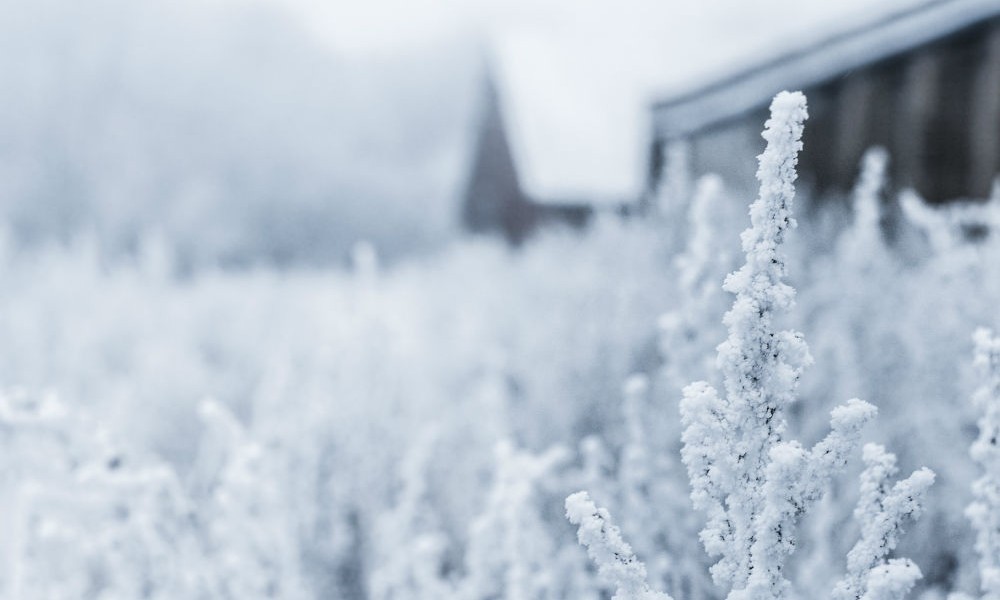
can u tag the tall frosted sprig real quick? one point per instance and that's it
(984, 512)
(727, 440)
(752, 485)
(862, 243)
(867, 209)
(760, 364)
(613, 556)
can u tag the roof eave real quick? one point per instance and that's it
(735, 95)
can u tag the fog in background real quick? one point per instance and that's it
(227, 128)
(285, 132)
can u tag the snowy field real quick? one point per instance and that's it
(219, 379)
(410, 432)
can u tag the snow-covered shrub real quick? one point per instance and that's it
(652, 498)
(510, 548)
(984, 512)
(882, 314)
(244, 515)
(410, 546)
(751, 484)
(87, 518)
(333, 375)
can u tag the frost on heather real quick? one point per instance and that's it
(246, 516)
(613, 556)
(689, 333)
(862, 244)
(753, 485)
(510, 548)
(89, 517)
(651, 501)
(984, 512)
(881, 513)
(410, 545)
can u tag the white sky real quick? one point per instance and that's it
(377, 26)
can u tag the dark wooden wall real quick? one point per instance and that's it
(935, 109)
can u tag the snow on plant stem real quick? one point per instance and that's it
(881, 511)
(613, 556)
(752, 485)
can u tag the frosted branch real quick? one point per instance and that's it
(613, 556)
(881, 512)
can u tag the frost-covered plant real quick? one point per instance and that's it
(613, 556)
(984, 512)
(689, 333)
(863, 242)
(670, 199)
(850, 299)
(652, 500)
(246, 519)
(752, 484)
(510, 549)
(881, 511)
(596, 471)
(409, 544)
(89, 519)
(638, 473)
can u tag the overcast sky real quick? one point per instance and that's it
(375, 26)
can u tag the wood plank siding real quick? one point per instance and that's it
(934, 105)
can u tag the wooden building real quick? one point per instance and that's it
(566, 130)
(923, 83)
(494, 200)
